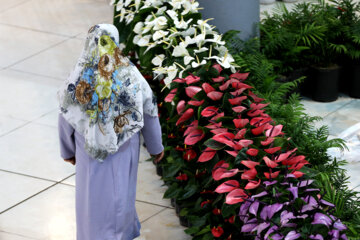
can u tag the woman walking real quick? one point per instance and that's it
(104, 106)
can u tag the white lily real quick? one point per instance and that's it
(198, 63)
(188, 59)
(190, 6)
(182, 24)
(216, 39)
(200, 50)
(159, 23)
(224, 61)
(188, 32)
(180, 50)
(129, 18)
(141, 41)
(159, 34)
(177, 4)
(158, 60)
(119, 5)
(161, 11)
(173, 15)
(171, 74)
(138, 27)
(127, 2)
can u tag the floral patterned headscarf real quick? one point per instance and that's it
(105, 96)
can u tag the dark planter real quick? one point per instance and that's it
(173, 202)
(177, 208)
(354, 81)
(242, 15)
(159, 170)
(183, 221)
(324, 82)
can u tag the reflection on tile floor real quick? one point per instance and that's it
(36, 186)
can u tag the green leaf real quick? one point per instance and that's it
(211, 143)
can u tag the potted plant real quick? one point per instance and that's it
(347, 13)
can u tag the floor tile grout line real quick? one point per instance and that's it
(37, 30)
(36, 74)
(26, 175)
(20, 235)
(338, 109)
(28, 198)
(16, 5)
(14, 129)
(153, 215)
(155, 204)
(37, 53)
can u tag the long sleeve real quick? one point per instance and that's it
(152, 134)
(66, 137)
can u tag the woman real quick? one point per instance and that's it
(104, 105)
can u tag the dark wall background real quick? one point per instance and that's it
(240, 15)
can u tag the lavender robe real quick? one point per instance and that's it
(106, 192)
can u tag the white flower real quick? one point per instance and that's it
(188, 59)
(141, 41)
(122, 14)
(188, 32)
(177, 4)
(171, 72)
(127, 2)
(200, 50)
(160, 23)
(224, 61)
(119, 5)
(159, 34)
(180, 50)
(157, 61)
(138, 27)
(129, 18)
(198, 63)
(122, 46)
(161, 11)
(216, 39)
(182, 24)
(190, 6)
(172, 14)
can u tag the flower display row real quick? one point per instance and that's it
(229, 163)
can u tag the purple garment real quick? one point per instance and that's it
(106, 192)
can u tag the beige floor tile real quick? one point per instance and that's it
(66, 17)
(146, 211)
(26, 96)
(70, 181)
(9, 236)
(149, 185)
(55, 62)
(164, 225)
(34, 150)
(8, 4)
(8, 124)
(18, 43)
(49, 215)
(15, 188)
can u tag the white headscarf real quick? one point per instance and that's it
(105, 97)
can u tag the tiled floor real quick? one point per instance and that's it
(40, 41)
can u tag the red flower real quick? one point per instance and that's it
(240, 134)
(171, 135)
(252, 184)
(218, 116)
(217, 231)
(232, 153)
(239, 76)
(271, 175)
(274, 131)
(272, 150)
(194, 137)
(236, 196)
(239, 85)
(182, 177)
(256, 98)
(178, 148)
(226, 138)
(192, 91)
(191, 79)
(252, 152)
(258, 106)
(193, 126)
(240, 123)
(216, 211)
(207, 88)
(186, 116)
(260, 130)
(231, 220)
(267, 141)
(269, 163)
(196, 103)
(297, 174)
(245, 142)
(209, 111)
(219, 130)
(223, 173)
(179, 80)
(218, 79)
(237, 100)
(238, 109)
(249, 174)
(227, 186)
(238, 92)
(171, 95)
(180, 107)
(189, 155)
(225, 86)
(207, 155)
(202, 204)
(217, 67)
(249, 164)
(215, 95)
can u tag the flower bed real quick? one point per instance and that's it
(229, 165)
